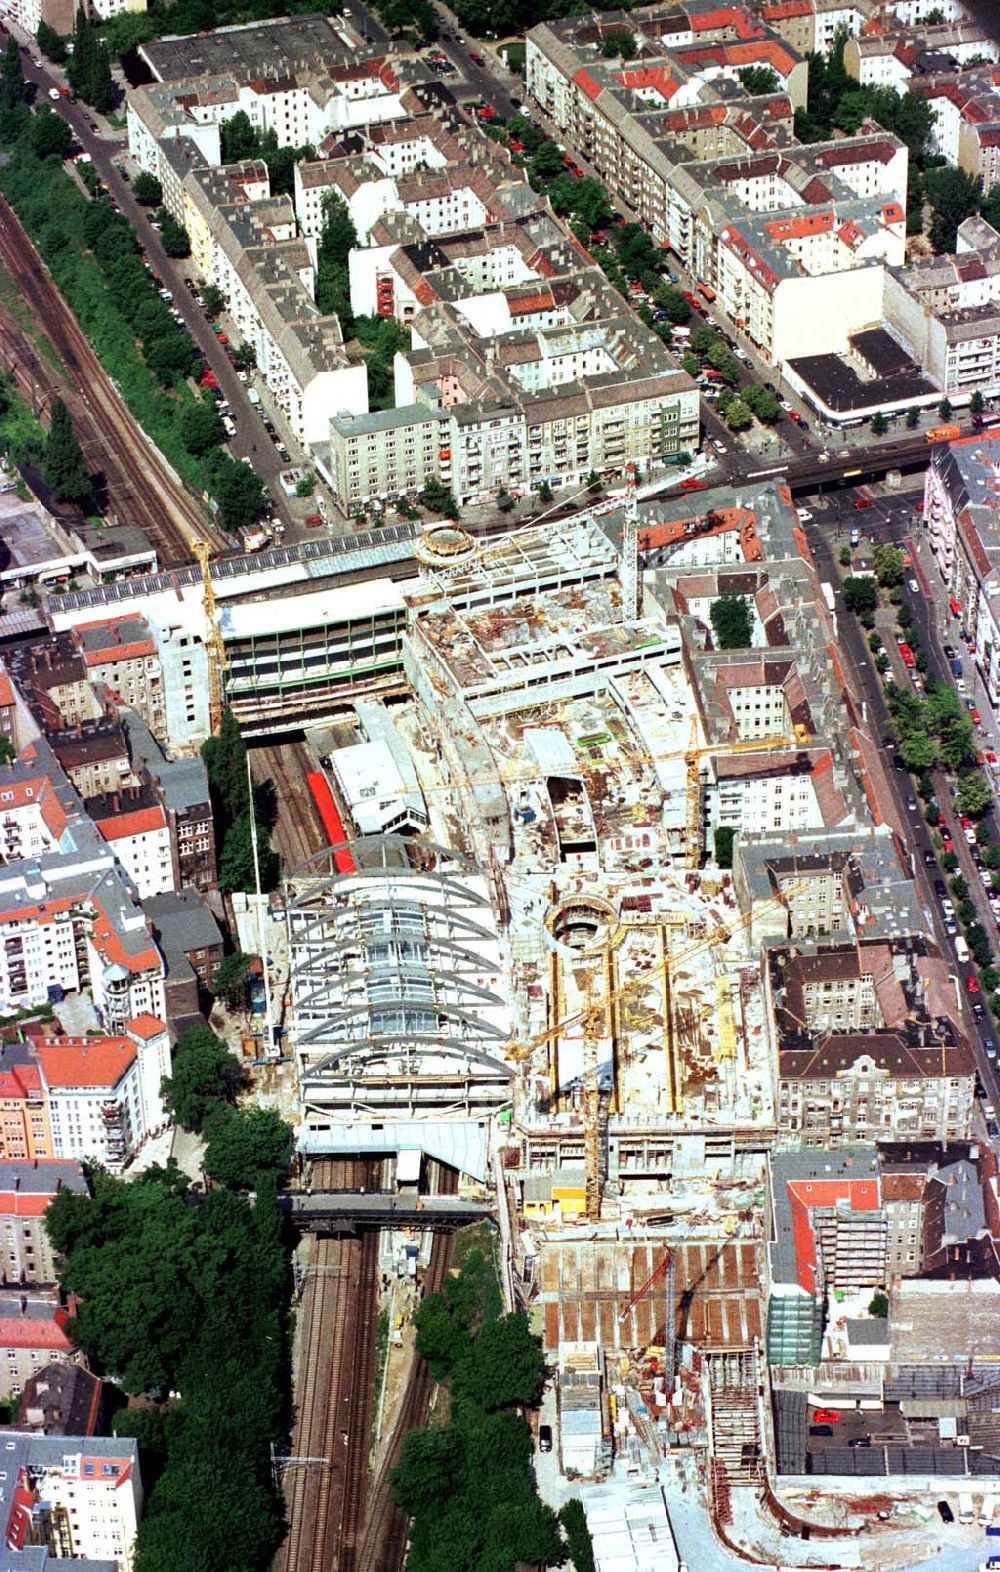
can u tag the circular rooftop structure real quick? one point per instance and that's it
(582, 925)
(445, 546)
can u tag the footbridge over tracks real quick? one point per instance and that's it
(350, 1211)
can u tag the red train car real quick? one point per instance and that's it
(333, 824)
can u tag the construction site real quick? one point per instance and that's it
(524, 960)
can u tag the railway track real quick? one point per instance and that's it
(141, 489)
(383, 1541)
(325, 1500)
(298, 830)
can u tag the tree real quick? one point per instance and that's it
(502, 1366)
(236, 865)
(49, 134)
(977, 403)
(620, 42)
(306, 484)
(545, 164)
(973, 794)
(860, 594)
(880, 424)
(957, 743)
(844, 556)
(225, 758)
(214, 300)
(918, 751)
(912, 418)
(765, 405)
(63, 466)
(959, 888)
(724, 836)
(231, 980)
(436, 497)
(759, 80)
(201, 427)
(245, 1143)
(731, 621)
(52, 46)
(889, 566)
(245, 358)
(337, 238)
(672, 301)
(147, 189)
(429, 1464)
(14, 90)
(879, 1306)
(505, 502)
(239, 137)
(738, 416)
(204, 1076)
(174, 235)
(89, 68)
(240, 493)
(690, 363)
(944, 409)
(573, 1518)
(954, 195)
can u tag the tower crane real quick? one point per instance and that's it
(594, 1020)
(215, 648)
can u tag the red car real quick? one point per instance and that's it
(862, 502)
(947, 844)
(692, 484)
(826, 1416)
(972, 984)
(975, 717)
(965, 822)
(515, 146)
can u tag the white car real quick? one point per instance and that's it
(54, 94)
(804, 515)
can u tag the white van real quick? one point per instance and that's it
(961, 949)
(966, 1508)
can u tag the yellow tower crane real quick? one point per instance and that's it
(693, 757)
(214, 647)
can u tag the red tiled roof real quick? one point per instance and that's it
(22, 1332)
(585, 81)
(861, 1195)
(141, 821)
(86, 1061)
(6, 689)
(145, 1026)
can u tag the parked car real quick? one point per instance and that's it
(545, 1438)
(826, 1416)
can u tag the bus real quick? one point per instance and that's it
(828, 596)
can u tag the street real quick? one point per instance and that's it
(893, 516)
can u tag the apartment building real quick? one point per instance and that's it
(181, 786)
(93, 756)
(945, 311)
(244, 242)
(33, 1332)
(794, 241)
(483, 404)
(966, 105)
(867, 1045)
(26, 1188)
(78, 1498)
(103, 1093)
(25, 1131)
(120, 655)
(895, 57)
(52, 676)
(301, 77)
(134, 824)
(960, 509)
(853, 881)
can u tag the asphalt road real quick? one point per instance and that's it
(894, 517)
